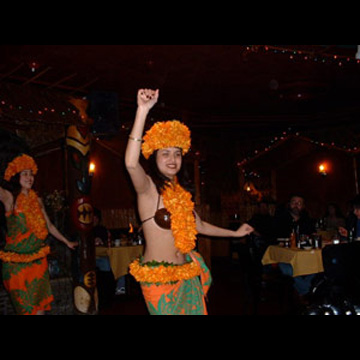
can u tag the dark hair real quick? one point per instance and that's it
(297, 195)
(97, 212)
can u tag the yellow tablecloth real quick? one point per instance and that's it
(303, 262)
(120, 257)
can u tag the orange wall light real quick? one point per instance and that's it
(323, 168)
(92, 168)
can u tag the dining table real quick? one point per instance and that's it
(120, 257)
(303, 262)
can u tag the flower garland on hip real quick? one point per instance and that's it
(163, 273)
(183, 224)
(29, 205)
(9, 256)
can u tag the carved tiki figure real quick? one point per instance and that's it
(78, 141)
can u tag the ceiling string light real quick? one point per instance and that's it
(307, 55)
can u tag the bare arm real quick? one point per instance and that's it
(205, 228)
(54, 231)
(6, 198)
(146, 99)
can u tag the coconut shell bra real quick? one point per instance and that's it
(161, 217)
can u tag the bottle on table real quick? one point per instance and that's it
(109, 240)
(293, 239)
(351, 235)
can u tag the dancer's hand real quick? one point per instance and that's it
(147, 98)
(243, 230)
(71, 245)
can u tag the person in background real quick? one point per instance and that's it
(295, 218)
(352, 221)
(101, 233)
(333, 218)
(102, 238)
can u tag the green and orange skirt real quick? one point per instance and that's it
(171, 289)
(26, 278)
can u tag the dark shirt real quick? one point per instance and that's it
(284, 224)
(101, 232)
(353, 224)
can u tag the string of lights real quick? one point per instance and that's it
(31, 110)
(285, 136)
(295, 54)
(41, 114)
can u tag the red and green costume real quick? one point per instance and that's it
(185, 296)
(171, 289)
(25, 267)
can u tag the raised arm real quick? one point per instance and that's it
(205, 228)
(146, 99)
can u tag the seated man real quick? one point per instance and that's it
(296, 218)
(353, 220)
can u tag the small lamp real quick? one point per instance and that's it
(249, 186)
(92, 169)
(323, 169)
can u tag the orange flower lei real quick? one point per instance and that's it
(9, 256)
(163, 273)
(20, 163)
(29, 205)
(183, 224)
(166, 134)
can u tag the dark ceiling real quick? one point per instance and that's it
(246, 86)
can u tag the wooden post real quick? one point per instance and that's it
(356, 175)
(78, 142)
(273, 185)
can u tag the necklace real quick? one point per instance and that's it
(183, 225)
(29, 205)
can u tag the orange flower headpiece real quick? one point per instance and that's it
(20, 163)
(166, 134)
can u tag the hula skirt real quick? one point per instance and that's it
(25, 271)
(179, 289)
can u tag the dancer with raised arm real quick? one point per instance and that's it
(170, 270)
